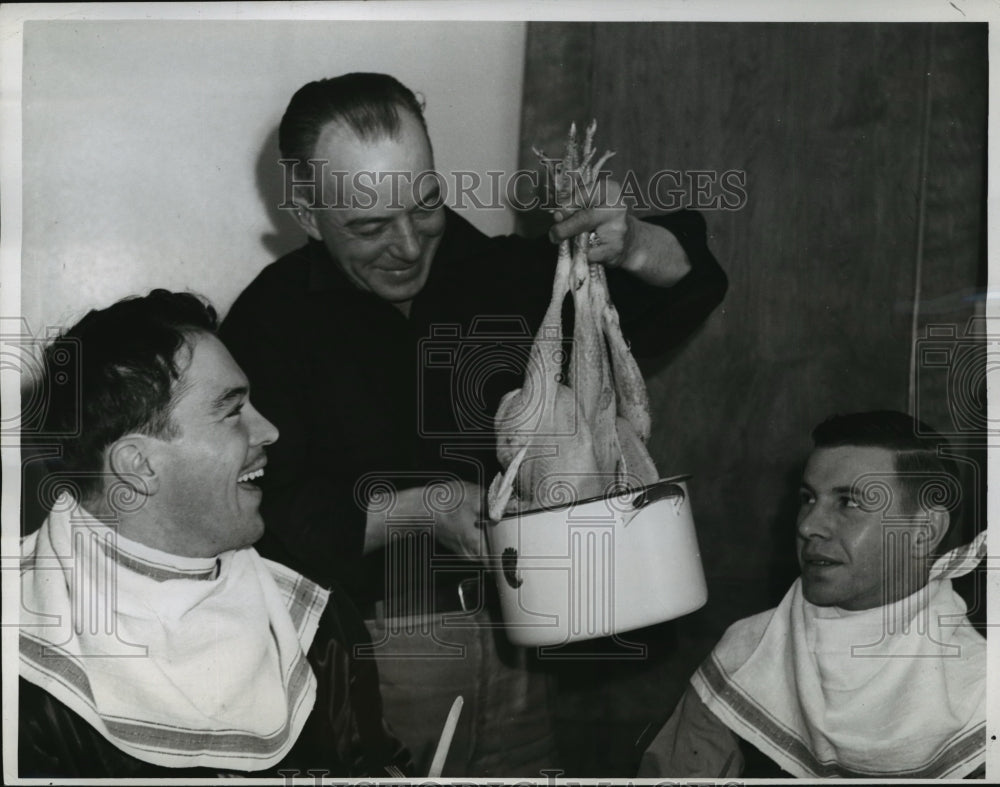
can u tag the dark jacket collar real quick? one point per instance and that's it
(324, 273)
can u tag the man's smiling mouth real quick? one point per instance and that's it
(819, 561)
(253, 475)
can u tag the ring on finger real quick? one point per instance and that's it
(594, 239)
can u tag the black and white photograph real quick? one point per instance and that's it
(531, 393)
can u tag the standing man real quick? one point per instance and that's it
(868, 669)
(381, 349)
(154, 640)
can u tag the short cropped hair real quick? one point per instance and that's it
(918, 449)
(124, 379)
(368, 104)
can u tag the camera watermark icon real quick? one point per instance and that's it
(576, 575)
(90, 574)
(462, 377)
(47, 379)
(961, 363)
(903, 502)
(420, 600)
(898, 494)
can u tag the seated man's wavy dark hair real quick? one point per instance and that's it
(116, 372)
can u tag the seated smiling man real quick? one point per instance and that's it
(154, 640)
(868, 668)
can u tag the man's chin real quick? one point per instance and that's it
(255, 530)
(818, 596)
(400, 287)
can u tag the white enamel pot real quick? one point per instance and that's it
(598, 567)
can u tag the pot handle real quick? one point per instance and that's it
(663, 490)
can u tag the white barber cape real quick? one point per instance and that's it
(180, 662)
(893, 692)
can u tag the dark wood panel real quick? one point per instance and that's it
(953, 261)
(826, 121)
(953, 255)
(556, 54)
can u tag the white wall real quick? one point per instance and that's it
(149, 147)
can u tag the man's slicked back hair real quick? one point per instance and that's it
(919, 452)
(369, 104)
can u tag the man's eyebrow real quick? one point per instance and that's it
(432, 195)
(229, 395)
(360, 220)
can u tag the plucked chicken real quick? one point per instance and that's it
(573, 430)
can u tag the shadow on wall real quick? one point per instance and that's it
(285, 234)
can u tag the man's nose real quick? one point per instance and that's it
(262, 431)
(812, 522)
(406, 245)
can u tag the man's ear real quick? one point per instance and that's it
(132, 460)
(929, 536)
(304, 215)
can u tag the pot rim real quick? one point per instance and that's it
(630, 490)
